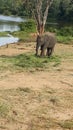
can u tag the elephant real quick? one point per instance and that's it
(46, 42)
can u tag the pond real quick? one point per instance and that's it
(7, 40)
(10, 24)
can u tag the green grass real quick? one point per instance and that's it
(64, 39)
(27, 61)
(24, 36)
(3, 34)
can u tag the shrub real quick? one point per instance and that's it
(28, 26)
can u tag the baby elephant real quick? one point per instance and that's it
(47, 42)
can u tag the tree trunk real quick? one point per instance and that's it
(40, 29)
(40, 17)
(39, 12)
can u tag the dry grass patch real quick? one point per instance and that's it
(34, 110)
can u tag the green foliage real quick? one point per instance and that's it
(65, 31)
(28, 26)
(64, 39)
(11, 7)
(65, 12)
(54, 10)
(62, 10)
(26, 29)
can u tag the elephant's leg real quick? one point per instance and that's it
(52, 49)
(42, 51)
(49, 51)
(37, 47)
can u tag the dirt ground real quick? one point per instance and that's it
(48, 100)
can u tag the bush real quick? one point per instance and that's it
(28, 26)
(65, 31)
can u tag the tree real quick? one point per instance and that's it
(54, 10)
(65, 11)
(39, 9)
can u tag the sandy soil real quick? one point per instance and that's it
(58, 79)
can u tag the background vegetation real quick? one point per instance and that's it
(60, 9)
(61, 12)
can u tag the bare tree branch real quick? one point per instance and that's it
(39, 12)
(49, 2)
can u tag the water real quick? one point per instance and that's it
(11, 18)
(10, 24)
(7, 40)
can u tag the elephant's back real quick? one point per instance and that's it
(50, 38)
